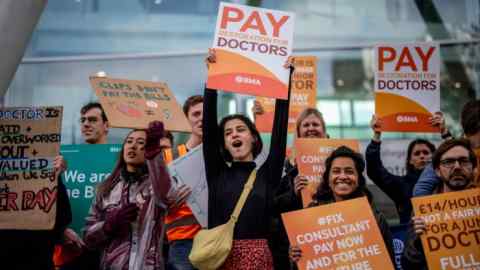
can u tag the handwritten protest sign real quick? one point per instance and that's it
(407, 86)
(310, 157)
(30, 140)
(252, 45)
(134, 104)
(303, 95)
(340, 236)
(452, 237)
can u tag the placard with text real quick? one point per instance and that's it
(310, 156)
(29, 142)
(303, 95)
(134, 104)
(452, 237)
(252, 45)
(88, 166)
(407, 86)
(338, 236)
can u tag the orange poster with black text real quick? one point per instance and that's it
(134, 104)
(452, 237)
(407, 86)
(310, 156)
(252, 45)
(303, 95)
(338, 236)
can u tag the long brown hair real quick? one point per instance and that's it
(104, 188)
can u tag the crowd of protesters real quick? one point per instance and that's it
(136, 221)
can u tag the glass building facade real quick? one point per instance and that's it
(167, 40)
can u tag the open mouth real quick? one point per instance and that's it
(237, 144)
(131, 154)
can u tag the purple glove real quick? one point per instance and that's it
(155, 132)
(117, 221)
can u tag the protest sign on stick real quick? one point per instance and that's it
(407, 86)
(452, 237)
(29, 142)
(310, 156)
(134, 104)
(339, 236)
(252, 45)
(303, 95)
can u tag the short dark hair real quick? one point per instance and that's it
(449, 144)
(257, 145)
(470, 117)
(190, 102)
(412, 144)
(92, 105)
(324, 191)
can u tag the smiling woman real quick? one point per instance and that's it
(344, 180)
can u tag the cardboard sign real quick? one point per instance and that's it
(134, 104)
(452, 239)
(303, 95)
(252, 45)
(310, 158)
(339, 236)
(407, 86)
(30, 140)
(81, 178)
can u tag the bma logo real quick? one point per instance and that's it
(398, 246)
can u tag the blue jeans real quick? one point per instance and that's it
(178, 255)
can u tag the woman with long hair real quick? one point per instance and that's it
(344, 180)
(399, 188)
(229, 151)
(125, 221)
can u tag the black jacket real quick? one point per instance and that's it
(226, 181)
(397, 188)
(28, 249)
(285, 200)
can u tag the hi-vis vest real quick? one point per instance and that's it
(180, 222)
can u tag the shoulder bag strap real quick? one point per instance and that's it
(243, 197)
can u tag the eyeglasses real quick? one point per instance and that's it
(450, 162)
(91, 119)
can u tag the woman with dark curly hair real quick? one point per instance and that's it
(344, 180)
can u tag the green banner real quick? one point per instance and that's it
(88, 165)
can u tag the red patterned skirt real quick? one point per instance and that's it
(249, 254)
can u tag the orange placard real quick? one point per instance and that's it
(310, 158)
(30, 140)
(303, 95)
(340, 236)
(452, 238)
(407, 86)
(134, 104)
(252, 45)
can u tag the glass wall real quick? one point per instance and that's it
(166, 40)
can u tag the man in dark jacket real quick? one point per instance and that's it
(456, 165)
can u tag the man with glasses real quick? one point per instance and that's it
(94, 123)
(455, 164)
(470, 122)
